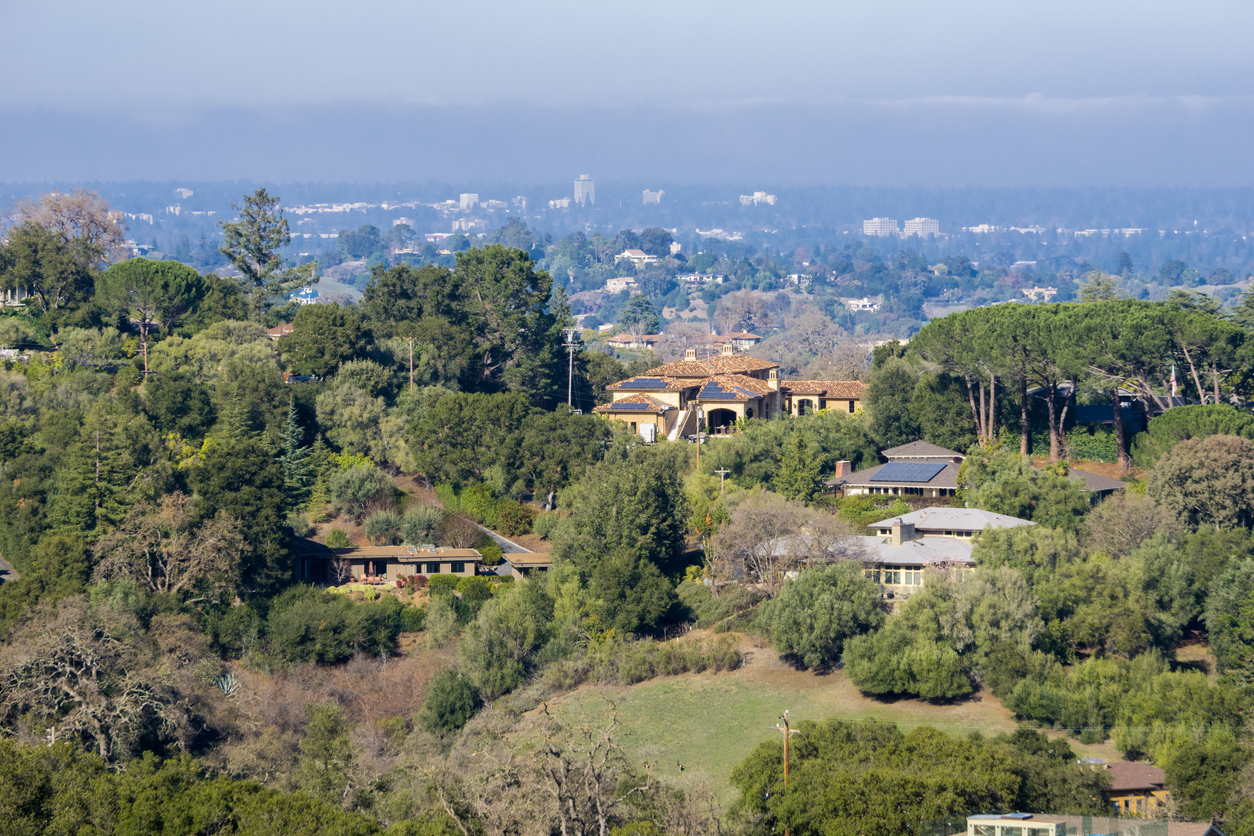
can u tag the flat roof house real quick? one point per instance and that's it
(315, 562)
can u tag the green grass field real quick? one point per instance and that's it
(709, 723)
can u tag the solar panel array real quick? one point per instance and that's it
(646, 383)
(907, 472)
(633, 407)
(714, 392)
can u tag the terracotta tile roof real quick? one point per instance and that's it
(713, 366)
(742, 335)
(743, 381)
(647, 382)
(653, 405)
(1125, 775)
(840, 389)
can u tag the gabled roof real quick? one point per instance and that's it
(852, 389)
(635, 403)
(951, 519)
(919, 450)
(742, 335)
(712, 366)
(1125, 775)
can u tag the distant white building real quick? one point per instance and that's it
(880, 227)
(864, 304)
(698, 279)
(636, 257)
(468, 224)
(653, 197)
(984, 229)
(1040, 294)
(468, 202)
(560, 203)
(585, 190)
(405, 221)
(757, 198)
(184, 193)
(618, 285)
(921, 227)
(305, 296)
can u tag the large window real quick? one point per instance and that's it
(433, 568)
(458, 568)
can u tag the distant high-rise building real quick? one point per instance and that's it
(585, 190)
(921, 227)
(653, 197)
(882, 227)
(757, 198)
(469, 201)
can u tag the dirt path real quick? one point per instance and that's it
(7, 572)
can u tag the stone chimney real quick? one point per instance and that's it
(726, 349)
(843, 468)
(903, 532)
(772, 379)
(690, 354)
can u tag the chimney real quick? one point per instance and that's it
(726, 349)
(902, 532)
(772, 379)
(690, 354)
(843, 468)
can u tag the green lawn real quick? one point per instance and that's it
(711, 722)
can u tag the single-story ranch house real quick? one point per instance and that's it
(315, 562)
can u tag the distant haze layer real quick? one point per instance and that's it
(941, 141)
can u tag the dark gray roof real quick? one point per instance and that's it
(920, 450)
(1096, 482)
(946, 478)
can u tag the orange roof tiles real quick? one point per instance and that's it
(712, 366)
(852, 389)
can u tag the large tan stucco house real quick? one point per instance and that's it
(667, 401)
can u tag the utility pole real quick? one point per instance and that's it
(570, 371)
(788, 733)
(722, 474)
(410, 340)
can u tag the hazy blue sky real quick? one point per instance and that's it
(890, 92)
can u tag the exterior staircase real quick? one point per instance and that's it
(681, 428)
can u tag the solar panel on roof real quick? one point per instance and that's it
(714, 392)
(648, 383)
(907, 472)
(632, 407)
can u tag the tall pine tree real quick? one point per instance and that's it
(298, 472)
(799, 469)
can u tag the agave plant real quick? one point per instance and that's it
(228, 684)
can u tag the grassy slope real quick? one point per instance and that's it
(711, 722)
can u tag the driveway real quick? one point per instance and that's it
(7, 572)
(506, 545)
